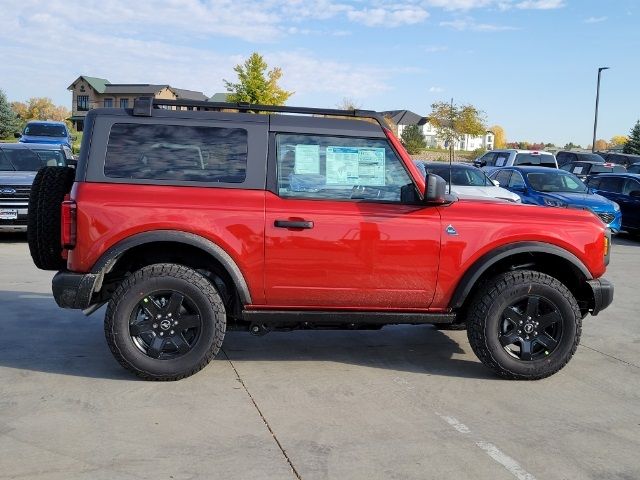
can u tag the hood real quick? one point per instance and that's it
(484, 192)
(16, 178)
(585, 200)
(39, 139)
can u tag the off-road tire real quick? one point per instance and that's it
(178, 278)
(48, 190)
(486, 309)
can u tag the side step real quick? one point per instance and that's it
(270, 319)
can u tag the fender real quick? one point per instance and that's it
(481, 265)
(108, 259)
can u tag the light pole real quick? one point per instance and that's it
(595, 121)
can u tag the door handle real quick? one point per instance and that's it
(293, 224)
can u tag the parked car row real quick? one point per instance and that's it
(19, 163)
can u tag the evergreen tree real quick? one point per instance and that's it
(256, 84)
(413, 139)
(633, 144)
(8, 119)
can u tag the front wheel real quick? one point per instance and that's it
(524, 325)
(165, 322)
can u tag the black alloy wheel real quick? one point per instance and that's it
(165, 325)
(531, 328)
(165, 322)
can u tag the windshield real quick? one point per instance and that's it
(591, 157)
(544, 160)
(556, 181)
(45, 130)
(21, 160)
(51, 158)
(461, 176)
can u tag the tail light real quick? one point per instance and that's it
(68, 224)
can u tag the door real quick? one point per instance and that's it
(338, 234)
(630, 203)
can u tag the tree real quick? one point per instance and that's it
(348, 103)
(499, 137)
(618, 141)
(452, 122)
(413, 139)
(8, 120)
(40, 108)
(570, 146)
(633, 144)
(601, 145)
(256, 84)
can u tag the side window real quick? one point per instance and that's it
(503, 177)
(516, 181)
(338, 168)
(630, 185)
(176, 152)
(489, 159)
(594, 182)
(502, 158)
(611, 184)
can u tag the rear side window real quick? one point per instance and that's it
(502, 158)
(489, 159)
(176, 152)
(534, 159)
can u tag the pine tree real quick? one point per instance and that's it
(256, 84)
(413, 139)
(8, 119)
(633, 144)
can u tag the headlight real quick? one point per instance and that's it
(554, 203)
(616, 207)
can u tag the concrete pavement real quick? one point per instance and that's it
(400, 403)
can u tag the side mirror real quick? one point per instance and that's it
(72, 163)
(17, 135)
(435, 189)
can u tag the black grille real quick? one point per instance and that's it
(21, 192)
(606, 217)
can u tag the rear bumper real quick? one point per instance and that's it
(602, 290)
(73, 290)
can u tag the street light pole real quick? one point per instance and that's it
(595, 121)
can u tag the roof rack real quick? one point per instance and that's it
(143, 106)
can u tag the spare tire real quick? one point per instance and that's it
(48, 190)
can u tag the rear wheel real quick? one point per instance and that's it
(524, 325)
(165, 322)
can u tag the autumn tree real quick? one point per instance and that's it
(256, 84)
(633, 144)
(499, 137)
(618, 141)
(452, 122)
(8, 120)
(348, 103)
(413, 139)
(40, 108)
(601, 145)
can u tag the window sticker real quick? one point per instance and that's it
(577, 170)
(500, 162)
(355, 166)
(307, 159)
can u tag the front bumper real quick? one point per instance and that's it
(74, 290)
(602, 290)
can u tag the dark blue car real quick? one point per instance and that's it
(624, 189)
(38, 131)
(557, 188)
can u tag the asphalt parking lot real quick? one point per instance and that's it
(399, 403)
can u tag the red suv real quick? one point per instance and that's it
(189, 219)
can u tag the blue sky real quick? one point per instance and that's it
(529, 64)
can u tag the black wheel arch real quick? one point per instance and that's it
(173, 244)
(544, 257)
